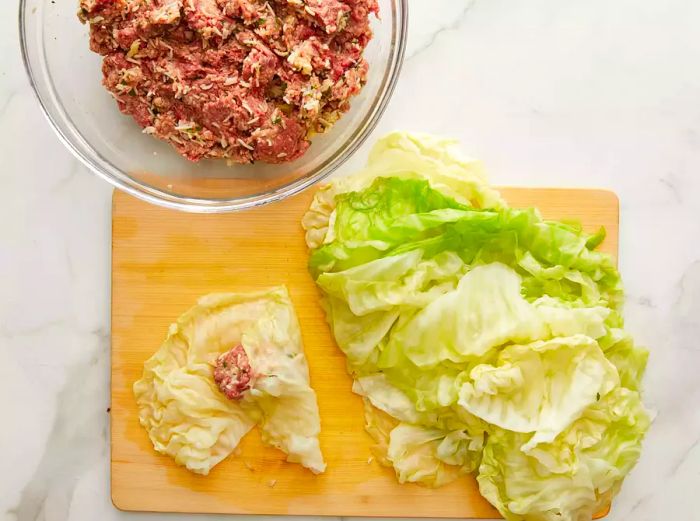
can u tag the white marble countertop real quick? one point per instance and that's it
(592, 93)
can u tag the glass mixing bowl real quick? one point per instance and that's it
(66, 77)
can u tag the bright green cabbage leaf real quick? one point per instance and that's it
(482, 338)
(630, 360)
(394, 216)
(405, 156)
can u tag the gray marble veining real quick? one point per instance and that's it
(579, 93)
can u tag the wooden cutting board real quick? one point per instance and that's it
(163, 260)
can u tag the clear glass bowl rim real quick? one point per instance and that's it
(123, 181)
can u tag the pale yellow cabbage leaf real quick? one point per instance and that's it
(189, 419)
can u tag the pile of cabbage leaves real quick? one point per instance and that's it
(483, 338)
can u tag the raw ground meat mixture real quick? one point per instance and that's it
(233, 373)
(244, 80)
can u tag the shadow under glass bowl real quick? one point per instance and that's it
(66, 77)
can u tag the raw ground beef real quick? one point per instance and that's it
(233, 373)
(244, 80)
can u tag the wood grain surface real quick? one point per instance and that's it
(162, 261)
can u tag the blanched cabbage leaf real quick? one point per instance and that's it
(186, 415)
(414, 452)
(485, 311)
(482, 338)
(540, 387)
(573, 477)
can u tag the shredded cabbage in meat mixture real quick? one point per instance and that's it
(243, 80)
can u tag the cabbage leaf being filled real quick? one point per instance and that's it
(188, 417)
(482, 338)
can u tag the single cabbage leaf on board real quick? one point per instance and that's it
(186, 415)
(482, 338)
